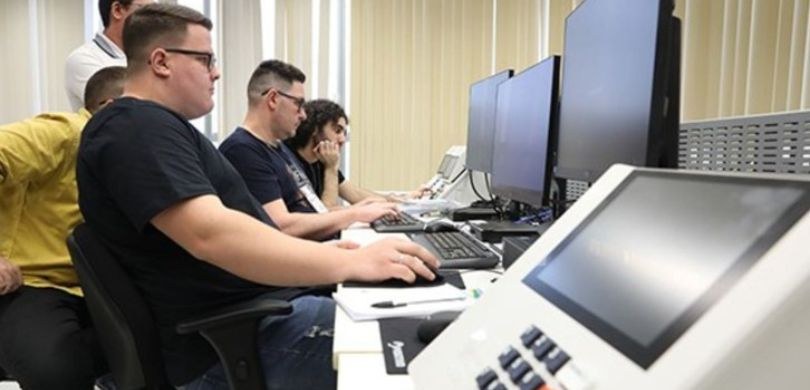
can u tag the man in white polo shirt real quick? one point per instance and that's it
(102, 51)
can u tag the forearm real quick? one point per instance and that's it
(314, 225)
(330, 188)
(250, 249)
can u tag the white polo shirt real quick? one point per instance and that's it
(85, 61)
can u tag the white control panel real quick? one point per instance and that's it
(653, 279)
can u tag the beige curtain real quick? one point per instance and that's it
(304, 37)
(240, 47)
(412, 62)
(37, 36)
(744, 57)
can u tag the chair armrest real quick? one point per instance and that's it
(233, 314)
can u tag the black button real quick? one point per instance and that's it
(484, 378)
(530, 335)
(506, 357)
(555, 360)
(495, 385)
(542, 347)
(531, 381)
(518, 369)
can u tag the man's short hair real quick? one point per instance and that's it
(157, 24)
(106, 84)
(320, 112)
(272, 74)
(105, 6)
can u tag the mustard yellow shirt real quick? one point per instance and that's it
(38, 197)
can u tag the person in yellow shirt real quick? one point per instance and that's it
(46, 339)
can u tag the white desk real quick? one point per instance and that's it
(357, 350)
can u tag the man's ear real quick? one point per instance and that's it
(158, 62)
(117, 11)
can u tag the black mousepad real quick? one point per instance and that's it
(442, 276)
(400, 343)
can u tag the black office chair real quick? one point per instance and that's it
(127, 331)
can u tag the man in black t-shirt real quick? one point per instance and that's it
(186, 228)
(317, 143)
(272, 172)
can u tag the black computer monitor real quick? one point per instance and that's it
(524, 136)
(481, 121)
(620, 80)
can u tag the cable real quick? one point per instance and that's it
(472, 184)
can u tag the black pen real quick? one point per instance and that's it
(392, 304)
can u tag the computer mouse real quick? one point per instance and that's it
(430, 327)
(440, 226)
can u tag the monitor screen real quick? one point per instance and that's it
(523, 128)
(615, 86)
(660, 251)
(481, 121)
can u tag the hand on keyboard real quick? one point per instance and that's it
(373, 211)
(393, 258)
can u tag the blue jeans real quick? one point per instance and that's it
(295, 350)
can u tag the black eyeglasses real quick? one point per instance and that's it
(207, 58)
(299, 101)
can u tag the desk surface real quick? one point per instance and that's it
(357, 351)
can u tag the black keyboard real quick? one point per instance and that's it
(403, 223)
(457, 250)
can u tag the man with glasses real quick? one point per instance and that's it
(317, 143)
(103, 51)
(272, 172)
(187, 230)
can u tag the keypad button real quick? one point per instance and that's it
(483, 379)
(496, 385)
(555, 360)
(518, 368)
(531, 381)
(542, 347)
(507, 357)
(530, 336)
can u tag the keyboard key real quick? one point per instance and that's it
(507, 357)
(531, 381)
(496, 385)
(542, 347)
(530, 335)
(483, 379)
(555, 360)
(518, 368)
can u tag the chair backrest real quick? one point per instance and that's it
(122, 320)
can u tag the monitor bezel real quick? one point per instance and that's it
(471, 145)
(520, 194)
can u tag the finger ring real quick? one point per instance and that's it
(400, 259)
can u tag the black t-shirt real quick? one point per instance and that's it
(267, 170)
(136, 159)
(315, 172)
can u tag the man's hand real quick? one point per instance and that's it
(370, 200)
(394, 258)
(328, 153)
(10, 276)
(419, 192)
(373, 211)
(343, 244)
